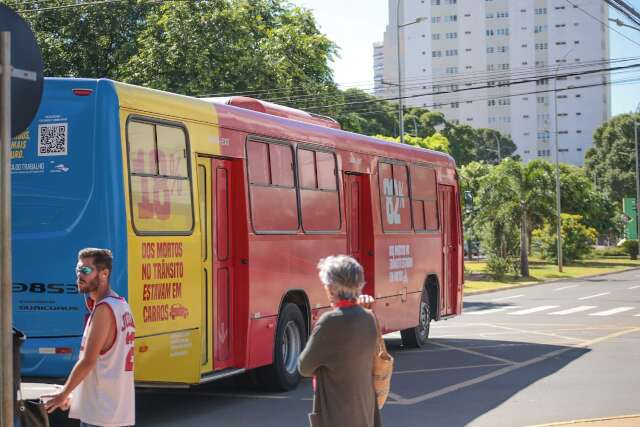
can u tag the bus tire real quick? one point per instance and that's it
(290, 339)
(417, 336)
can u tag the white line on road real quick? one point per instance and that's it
(594, 296)
(565, 287)
(450, 368)
(511, 297)
(454, 387)
(634, 287)
(612, 311)
(575, 309)
(492, 310)
(533, 310)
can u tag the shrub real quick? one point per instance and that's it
(631, 247)
(577, 239)
(612, 251)
(500, 267)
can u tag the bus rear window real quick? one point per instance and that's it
(161, 201)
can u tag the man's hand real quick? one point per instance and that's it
(366, 301)
(60, 401)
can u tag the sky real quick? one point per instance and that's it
(354, 25)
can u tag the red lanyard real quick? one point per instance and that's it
(345, 304)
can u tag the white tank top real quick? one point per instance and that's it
(106, 397)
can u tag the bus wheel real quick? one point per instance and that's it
(291, 336)
(417, 337)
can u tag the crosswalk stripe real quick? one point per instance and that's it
(574, 310)
(634, 287)
(565, 287)
(534, 310)
(504, 298)
(612, 311)
(593, 296)
(492, 310)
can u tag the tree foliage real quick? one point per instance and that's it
(611, 161)
(577, 239)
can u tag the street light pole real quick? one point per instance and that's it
(401, 106)
(499, 151)
(400, 100)
(635, 128)
(557, 150)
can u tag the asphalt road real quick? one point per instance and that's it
(560, 351)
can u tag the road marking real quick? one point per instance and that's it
(451, 368)
(612, 311)
(635, 287)
(533, 310)
(504, 298)
(574, 310)
(475, 353)
(455, 387)
(594, 296)
(565, 287)
(492, 310)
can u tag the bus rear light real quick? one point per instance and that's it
(63, 350)
(82, 92)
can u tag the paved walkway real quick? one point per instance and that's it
(624, 421)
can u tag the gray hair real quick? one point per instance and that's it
(342, 273)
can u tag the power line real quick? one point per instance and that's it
(483, 87)
(618, 82)
(602, 22)
(495, 77)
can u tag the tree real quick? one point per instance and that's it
(512, 195)
(436, 142)
(610, 163)
(190, 47)
(487, 145)
(581, 198)
(471, 176)
(577, 239)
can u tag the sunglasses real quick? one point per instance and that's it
(84, 269)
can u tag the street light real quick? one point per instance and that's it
(557, 150)
(400, 103)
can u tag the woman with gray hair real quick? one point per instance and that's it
(339, 353)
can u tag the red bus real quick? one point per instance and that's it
(218, 212)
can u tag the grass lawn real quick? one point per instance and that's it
(476, 278)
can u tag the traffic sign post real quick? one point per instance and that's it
(20, 93)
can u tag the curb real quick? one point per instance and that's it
(591, 420)
(566, 279)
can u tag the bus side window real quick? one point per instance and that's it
(394, 197)
(423, 199)
(274, 207)
(160, 184)
(319, 198)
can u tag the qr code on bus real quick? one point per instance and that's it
(52, 139)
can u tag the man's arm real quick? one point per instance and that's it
(101, 327)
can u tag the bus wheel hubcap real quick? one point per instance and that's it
(291, 346)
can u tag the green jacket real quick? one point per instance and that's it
(340, 355)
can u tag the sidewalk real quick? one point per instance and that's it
(622, 421)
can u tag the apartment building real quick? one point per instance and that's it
(492, 64)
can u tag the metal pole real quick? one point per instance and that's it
(635, 127)
(558, 218)
(400, 103)
(499, 151)
(6, 420)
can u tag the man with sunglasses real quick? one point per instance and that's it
(102, 379)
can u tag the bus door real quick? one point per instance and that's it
(357, 197)
(214, 176)
(448, 220)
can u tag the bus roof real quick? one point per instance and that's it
(276, 126)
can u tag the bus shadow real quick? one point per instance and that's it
(470, 307)
(474, 376)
